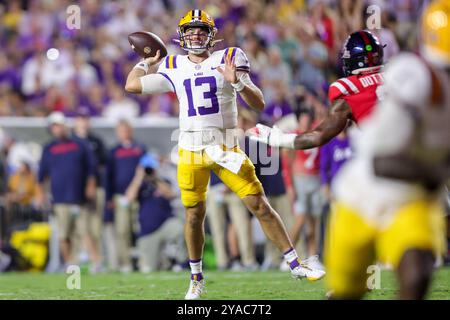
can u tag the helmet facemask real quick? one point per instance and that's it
(204, 37)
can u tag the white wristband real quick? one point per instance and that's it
(238, 86)
(287, 140)
(142, 65)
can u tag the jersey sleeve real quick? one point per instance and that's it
(167, 64)
(157, 83)
(336, 91)
(240, 58)
(408, 80)
(166, 68)
(242, 63)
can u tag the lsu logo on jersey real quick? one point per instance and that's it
(205, 98)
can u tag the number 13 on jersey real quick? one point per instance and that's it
(209, 89)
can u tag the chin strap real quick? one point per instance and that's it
(368, 70)
(212, 43)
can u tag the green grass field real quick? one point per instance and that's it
(169, 285)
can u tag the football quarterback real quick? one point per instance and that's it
(206, 83)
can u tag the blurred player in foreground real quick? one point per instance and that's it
(390, 195)
(206, 84)
(353, 98)
(402, 161)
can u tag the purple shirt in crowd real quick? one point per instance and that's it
(276, 110)
(332, 156)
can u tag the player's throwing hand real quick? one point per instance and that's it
(153, 60)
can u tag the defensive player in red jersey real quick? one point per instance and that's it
(352, 97)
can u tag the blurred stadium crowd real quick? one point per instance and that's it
(293, 47)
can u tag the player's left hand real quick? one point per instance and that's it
(229, 72)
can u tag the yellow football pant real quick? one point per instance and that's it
(193, 176)
(352, 244)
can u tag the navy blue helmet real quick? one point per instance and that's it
(361, 50)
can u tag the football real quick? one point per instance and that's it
(146, 44)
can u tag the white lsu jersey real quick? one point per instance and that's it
(407, 120)
(207, 102)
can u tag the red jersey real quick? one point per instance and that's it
(306, 161)
(359, 91)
